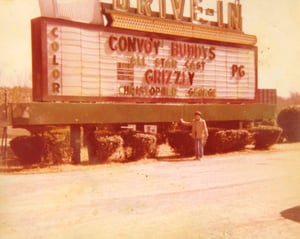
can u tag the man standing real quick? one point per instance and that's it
(199, 133)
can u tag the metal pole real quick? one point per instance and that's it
(5, 145)
(75, 135)
(4, 132)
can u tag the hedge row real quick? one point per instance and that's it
(221, 141)
(53, 146)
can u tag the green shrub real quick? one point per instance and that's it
(106, 146)
(47, 145)
(143, 145)
(134, 145)
(231, 140)
(139, 145)
(182, 142)
(219, 141)
(289, 120)
(29, 149)
(210, 146)
(265, 136)
(57, 148)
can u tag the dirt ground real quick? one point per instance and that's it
(249, 194)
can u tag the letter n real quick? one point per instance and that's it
(234, 16)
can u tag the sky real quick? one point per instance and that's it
(275, 23)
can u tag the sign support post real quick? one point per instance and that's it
(75, 142)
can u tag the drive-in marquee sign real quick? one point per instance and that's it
(84, 62)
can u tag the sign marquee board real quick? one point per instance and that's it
(85, 62)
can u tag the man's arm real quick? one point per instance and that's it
(186, 123)
(205, 131)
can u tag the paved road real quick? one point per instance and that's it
(246, 195)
